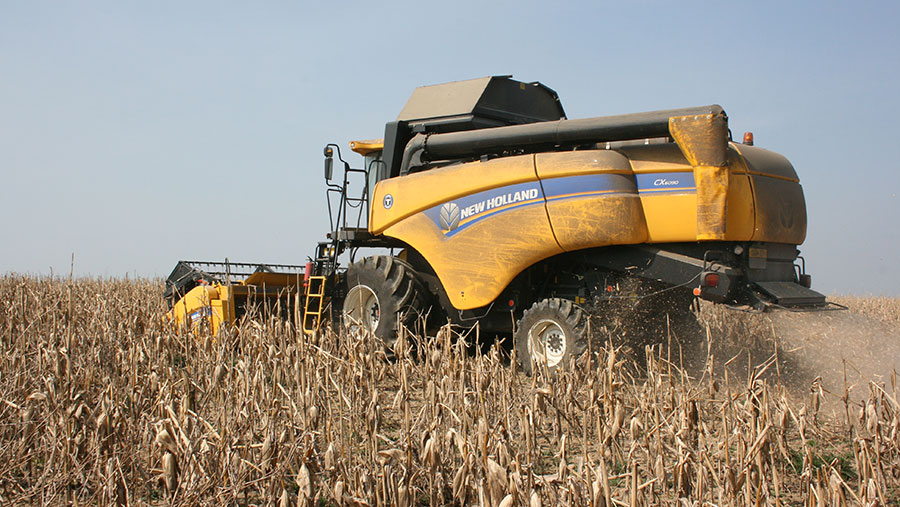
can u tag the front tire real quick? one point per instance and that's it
(382, 293)
(550, 333)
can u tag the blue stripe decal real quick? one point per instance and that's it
(587, 185)
(454, 216)
(675, 183)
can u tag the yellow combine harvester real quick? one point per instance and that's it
(495, 208)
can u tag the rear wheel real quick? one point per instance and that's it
(549, 333)
(382, 293)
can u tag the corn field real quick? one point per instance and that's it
(102, 403)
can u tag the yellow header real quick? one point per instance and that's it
(366, 147)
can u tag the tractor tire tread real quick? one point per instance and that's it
(567, 311)
(400, 292)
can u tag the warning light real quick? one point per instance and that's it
(711, 280)
(512, 303)
(748, 138)
(697, 291)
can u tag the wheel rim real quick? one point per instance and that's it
(361, 308)
(547, 343)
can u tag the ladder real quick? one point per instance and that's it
(315, 301)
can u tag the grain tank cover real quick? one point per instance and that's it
(473, 104)
(479, 103)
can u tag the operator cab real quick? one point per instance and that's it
(372, 151)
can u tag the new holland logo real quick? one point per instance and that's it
(786, 214)
(449, 216)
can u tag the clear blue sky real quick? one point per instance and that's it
(135, 134)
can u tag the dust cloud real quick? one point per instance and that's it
(833, 344)
(806, 350)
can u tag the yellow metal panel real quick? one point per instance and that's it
(591, 198)
(655, 158)
(781, 211)
(779, 205)
(217, 318)
(764, 162)
(476, 263)
(670, 218)
(670, 211)
(417, 192)
(272, 279)
(228, 313)
(741, 210)
(573, 163)
(195, 308)
(586, 222)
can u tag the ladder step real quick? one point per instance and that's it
(315, 298)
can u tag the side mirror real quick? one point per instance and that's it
(329, 168)
(329, 164)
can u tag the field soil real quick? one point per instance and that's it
(102, 402)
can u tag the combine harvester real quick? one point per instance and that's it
(483, 203)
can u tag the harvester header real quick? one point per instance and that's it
(213, 293)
